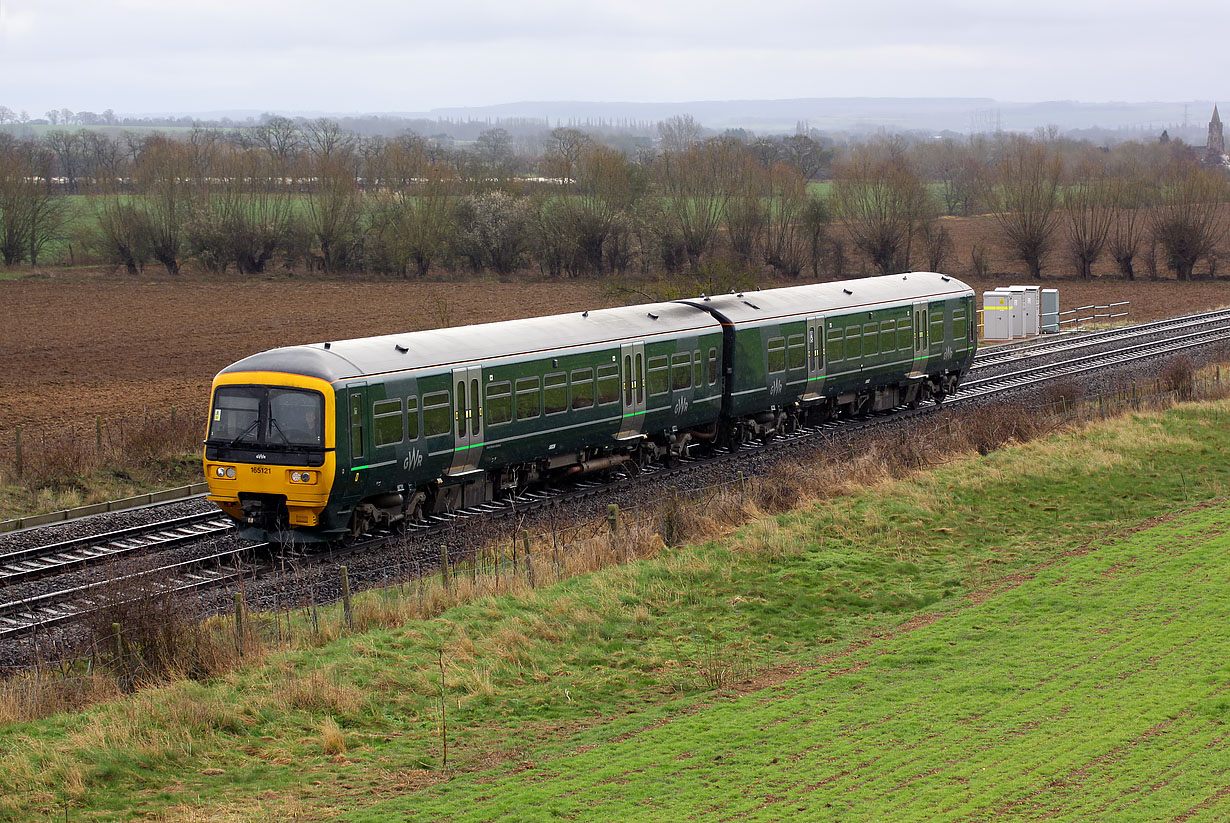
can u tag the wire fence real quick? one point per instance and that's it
(47, 452)
(140, 636)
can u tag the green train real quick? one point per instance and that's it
(331, 440)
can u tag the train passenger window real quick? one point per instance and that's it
(528, 404)
(937, 327)
(608, 384)
(555, 392)
(777, 354)
(640, 378)
(659, 382)
(713, 366)
(582, 388)
(904, 333)
(356, 425)
(437, 414)
(499, 403)
(958, 322)
(796, 351)
(387, 420)
(697, 380)
(461, 409)
(854, 343)
(837, 351)
(681, 371)
(887, 336)
(871, 339)
(412, 418)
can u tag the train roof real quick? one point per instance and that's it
(347, 359)
(840, 296)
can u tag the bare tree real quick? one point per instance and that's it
(7, 115)
(281, 139)
(326, 139)
(698, 183)
(31, 216)
(1188, 217)
(1022, 189)
(1129, 194)
(1087, 215)
(564, 147)
(816, 218)
(883, 202)
(748, 209)
(333, 210)
(786, 241)
(679, 133)
(166, 179)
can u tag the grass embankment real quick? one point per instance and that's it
(1054, 659)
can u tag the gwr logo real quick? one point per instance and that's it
(776, 387)
(681, 405)
(413, 460)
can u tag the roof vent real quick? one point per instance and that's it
(847, 291)
(945, 278)
(585, 313)
(327, 345)
(400, 348)
(753, 305)
(652, 316)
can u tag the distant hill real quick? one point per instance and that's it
(830, 114)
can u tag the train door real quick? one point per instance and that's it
(632, 375)
(356, 425)
(815, 357)
(922, 330)
(467, 420)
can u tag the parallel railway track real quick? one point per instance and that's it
(72, 602)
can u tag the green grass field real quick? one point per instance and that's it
(1008, 637)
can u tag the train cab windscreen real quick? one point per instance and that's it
(271, 419)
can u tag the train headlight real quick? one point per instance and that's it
(219, 471)
(230, 472)
(302, 477)
(295, 477)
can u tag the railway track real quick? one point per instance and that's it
(74, 601)
(56, 558)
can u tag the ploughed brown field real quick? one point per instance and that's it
(77, 344)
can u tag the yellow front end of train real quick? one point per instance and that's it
(269, 456)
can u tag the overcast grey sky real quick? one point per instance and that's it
(382, 55)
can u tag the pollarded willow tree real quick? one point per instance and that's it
(883, 202)
(1088, 210)
(1022, 189)
(1188, 217)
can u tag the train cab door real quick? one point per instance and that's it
(815, 358)
(922, 330)
(632, 385)
(356, 410)
(467, 420)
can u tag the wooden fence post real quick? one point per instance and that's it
(98, 435)
(444, 565)
(346, 611)
(239, 621)
(529, 558)
(612, 517)
(19, 455)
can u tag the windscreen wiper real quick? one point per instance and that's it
(245, 433)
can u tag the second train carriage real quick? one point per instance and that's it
(327, 440)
